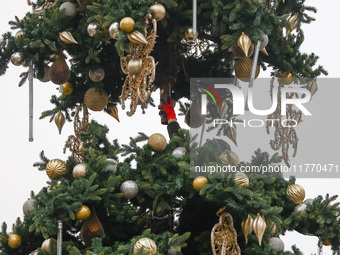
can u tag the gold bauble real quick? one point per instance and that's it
(79, 171)
(259, 227)
(84, 213)
(95, 99)
(157, 142)
(145, 244)
(199, 182)
(326, 242)
(67, 37)
(113, 110)
(243, 69)
(247, 227)
(127, 24)
(59, 120)
(287, 78)
(14, 241)
(56, 168)
(19, 34)
(229, 158)
(59, 71)
(295, 193)
(244, 43)
(158, 11)
(91, 228)
(190, 36)
(137, 37)
(241, 180)
(16, 58)
(293, 23)
(67, 88)
(274, 229)
(135, 65)
(49, 244)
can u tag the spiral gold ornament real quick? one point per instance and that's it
(247, 227)
(56, 168)
(295, 193)
(241, 180)
(229, 158)
(243, 69)
(147, 245)
(95, 99)
(59, 120)
(259, 227)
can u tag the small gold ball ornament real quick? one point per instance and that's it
(16, 58)
(135, 65)
(56, 168)
(295, 193)
(83, 213)
(326, 242)
(95, 99)
(14, 241)
(199, 182)
(243, 69)
(147, 245)
(190, 36)
(158, 11)
(79, 171)
(157, 142)
(287, 78)
(67, 88)
(127, 24)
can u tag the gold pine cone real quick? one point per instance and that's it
(95, 99)
(56, 168)
(243, 69)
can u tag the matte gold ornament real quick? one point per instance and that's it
(287, 78)
(147, 245)
(113, 112)
(243, 69)
(84, 213)
(295, 193)
(67, 88)
(127, 24)
(56, 168)
(16, 58)
(67, 37)
(241, 180)
(157, 142)
(199, 182)
(59, 120)
(46, 77)
(259, 227)
(96, 73)
(158, 11)
(247, 227)
(93, 28)
(114, 30)
(135, 66)
(137, 37)
(14, 241)
(79, 171)
(238, 52)
(244, 43)
(59, 71)
(95, 99)
(190, 36)
(49, 245)
(68, 9)
(293, 22)
(229, 158)
(91, 228)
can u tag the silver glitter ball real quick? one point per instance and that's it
(276, 244)
(111, 165)
(300, 208)
(114, 30)
(93, 29)
(28, 206)
(129, 189)
(179, 152)
(69, 9)
(16, 58)
(96, 73)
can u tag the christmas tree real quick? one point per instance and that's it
(141, 198)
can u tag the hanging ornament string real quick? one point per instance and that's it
(60, 237)
(253, 68)
(30, 101)
(194, 16)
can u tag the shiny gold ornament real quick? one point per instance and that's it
(137, 37)
(96, 73)
(293, 23)
(295, 193)
(158, 11)
(229, 158)
(113, 111)
(56, 168)
(247, 227)
(127, 24)
(46, 77)
(59, 120)
(16, 58)
(135, 66)
(238, 52)
(67, 37)
(14, 241)
(67, 88)
(157, 142)
(190, 36)
(327, 242)
(79, 171)
(113, 30)
(199, 182)
(193, 117)
(84, 213)
(91, 228)
(259, 227)
(243, 69)
(49, 245)
(59, 71)
(147, 245)
(287, 78)
(244, 43)
(95, 99)
(241, 180)
(224, 237)
(264, 51)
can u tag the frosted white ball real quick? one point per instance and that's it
(276, 244)
(111, 165)
(69, 9)
(79, 170)
(179, 152)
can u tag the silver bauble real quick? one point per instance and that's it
(96, 73)
(114, 30)
(18, 34)
(93, 28)
(69, 9)
(179, 152)
(111, 165)
(28, 206)
(79, 170)
(276, 244)
(16, 58)
(300, 208)
(129, 189)
(46, 77)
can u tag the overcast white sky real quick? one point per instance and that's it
(17, 175)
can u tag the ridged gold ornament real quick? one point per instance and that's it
(229, 158)
(135, 66)
(247, 227)
(113, 111)
(259, 227)
(95, 99)
(157, 142)
(241, 180)
(158, 11)
(244, 43)
(84, 213)
(59, 120)
(199, 182)
(295, 193)
(243, 69)
(137, 37)
(14, 241)
(145, 244)
(127, 24)
(293, 21)
(56, 168)
(67, 37)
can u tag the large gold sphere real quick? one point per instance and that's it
(83, 213)
(243, 69)
(145, 244)
(127, 24)
(157, 142)
(56, 168)
(199, 182)
(14, 241)
(295, 193)
(158, 11)
(135, 65)
(95, 99)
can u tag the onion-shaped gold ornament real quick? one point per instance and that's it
(158, 11)
(14, 241)
(247, 227)
(67, 37)
(244, 43)
(59, 120)
(84, 213)
(243, 69)
(127, 24)
(199, 182)
(135, 65)
(295, 193)
(95, 99)
(147, 245)
(137, 37)
(259, 227)
(157, 142)
(56, 168)
(241, 180)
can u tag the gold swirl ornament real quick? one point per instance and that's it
(259, 227)
(137, 37)
(244, 43)
(295, 193)
(56, 168)
(67, 37)
(247, 227)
